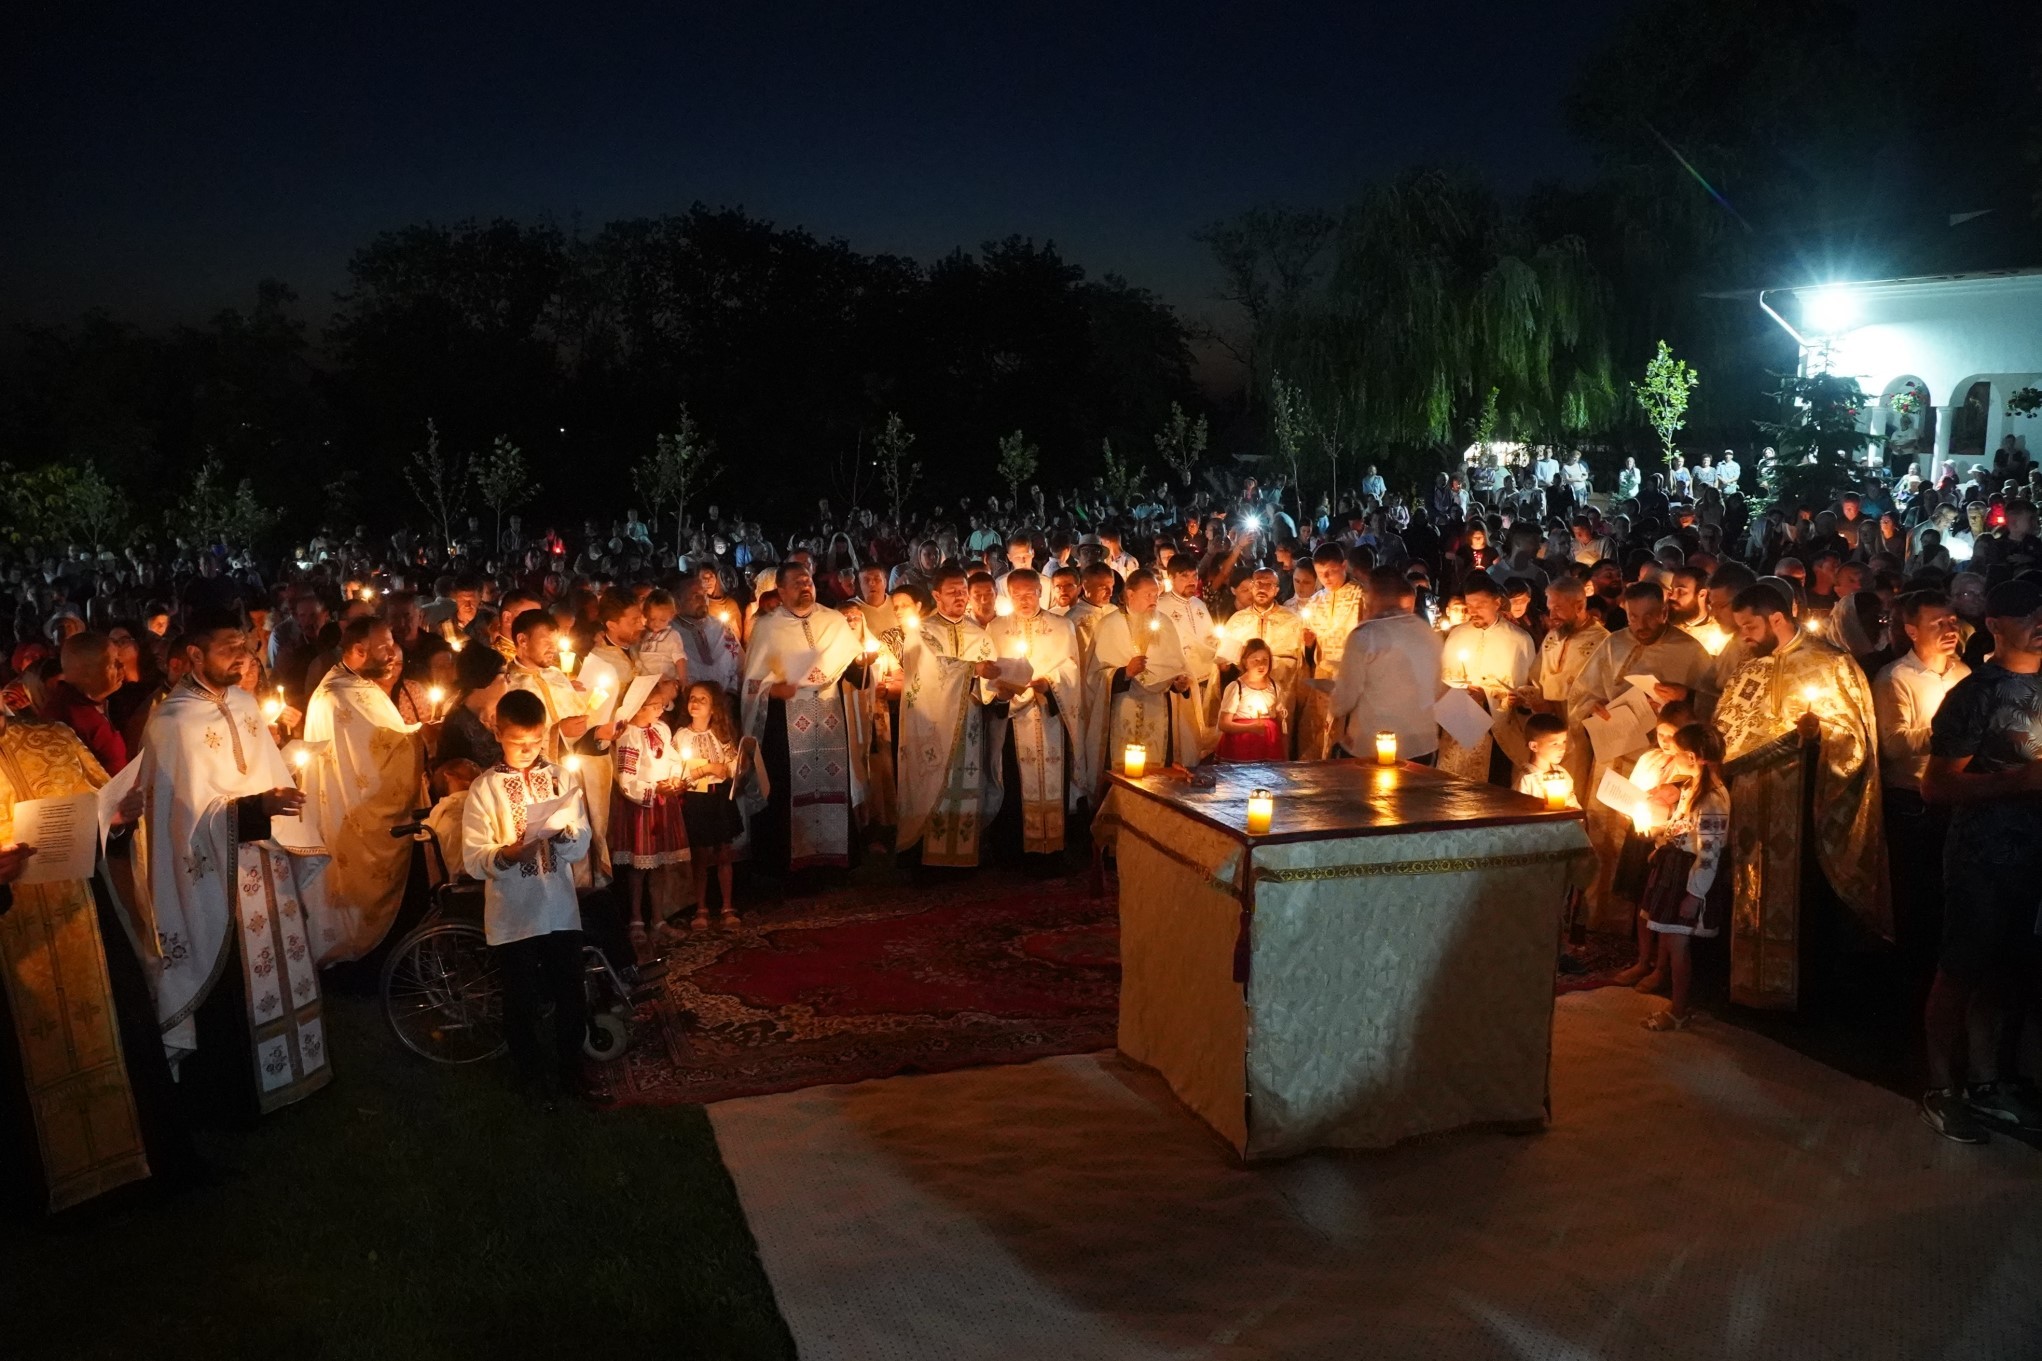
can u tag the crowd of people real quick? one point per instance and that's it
(622, 740)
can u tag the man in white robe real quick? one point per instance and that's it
(711, 647)
(229, 887)
(1490, 657)
(1682, 669)
(1195, 632)
(1389, 675)
(795, 666)
(362, 777)
(948, 665)
(1138, 681)
(1329, 616)
(1573, 633)
(1282, 629)
(535, 666)
(1037, 717)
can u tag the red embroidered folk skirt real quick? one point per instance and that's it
(647, 835)
(1264, 742)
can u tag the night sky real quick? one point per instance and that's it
(160, 159)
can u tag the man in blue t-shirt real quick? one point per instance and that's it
(1985, 761)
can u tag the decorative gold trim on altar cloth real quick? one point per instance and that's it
(1453, 865)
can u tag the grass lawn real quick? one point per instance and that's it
(411, 1211)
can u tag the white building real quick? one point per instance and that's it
(1965, 342)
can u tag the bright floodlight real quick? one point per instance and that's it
(1251, 523)
(1830, 310)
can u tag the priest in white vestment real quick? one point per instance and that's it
(1329, 615)
(1282, 629)
(1490, 657)
(1037, 717)
(1138, 682)
(362, 777)
(1199, 638)
(797, 661)
(230, 886)
(949, 666)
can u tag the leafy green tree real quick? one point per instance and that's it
(1121, 483)
(1663, 397)
(1288, 421)
(897, 476)
(57, 504)
(502, 480)
(680, 464)
(211, 512)
(1018, 459)
(1181, 443)
(441, 481)
(1820, 448)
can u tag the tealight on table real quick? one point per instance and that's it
(1378, 965)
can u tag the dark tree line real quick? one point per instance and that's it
(788, 350)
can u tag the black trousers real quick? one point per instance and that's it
(1915, 832)
(772, 829)
(537, 970)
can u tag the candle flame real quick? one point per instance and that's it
(1003, 607)
(301, 758)
(436, 694)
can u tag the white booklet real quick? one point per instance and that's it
(548, 816)
(1463, 717)
(1627, 729)
(65, 833)
(112, 792)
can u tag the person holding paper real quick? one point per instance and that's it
(1139, 684)
(1034, 724)
(1682, 669)
(800, 656)
(949, 668)
(530, 915)
(233, 883)
(81, 1056)
(1331, 613)
(1195, 630)
(1490, 658)
(364, 776)
(1282, 629)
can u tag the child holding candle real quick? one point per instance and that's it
(1252, 718)
(646, 829)
(1544, 777)
(707, 755)
(1685, 895)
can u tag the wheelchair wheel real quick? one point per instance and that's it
(443, 994)
(608, 1037)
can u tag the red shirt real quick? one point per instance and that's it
(64, 703)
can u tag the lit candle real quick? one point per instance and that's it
(1809, 695)
(457, 643)
(1713, 637)
(573, 761)
(1003, 607)
(1558, 787)
(687, 748)
(567, 660)
(435, 696)
(1134, 762)
(1020, 647)
(1155, 624)
(272, 710)
(1261, 809)
(1386, 748)
(301, 758)
(368, 592)
(1815, 627)
(910, 621)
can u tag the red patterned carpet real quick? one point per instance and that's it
(877, 981)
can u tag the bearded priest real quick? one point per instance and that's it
(362, 777)
(231, 887)
(1138, 690)
(948, 664)
(1034, 755)
(1793, 682)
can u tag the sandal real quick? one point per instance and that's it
(701, 921)
(1667, 1020)
(730, 921)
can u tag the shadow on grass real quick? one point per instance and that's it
(410, 1211)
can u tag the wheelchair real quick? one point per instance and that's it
(442, 985)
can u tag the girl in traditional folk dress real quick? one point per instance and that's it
(1686, 895)
(707, 755)
(1651, 772)
(1252, 718)
(646, 831)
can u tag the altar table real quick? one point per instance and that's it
(1378, 965)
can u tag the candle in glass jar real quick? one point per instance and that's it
(1261, 809)
(1558, 787)
(1134, 762)
(1386, 748)
(567, 660)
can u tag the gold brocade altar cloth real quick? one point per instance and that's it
(1378, 965)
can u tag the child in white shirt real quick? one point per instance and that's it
(530, 915)
(660, 650)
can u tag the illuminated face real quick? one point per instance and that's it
(984, 598)
(221, 658)
(953, 596)
(1549, 750)
(521, 746)
(1647, 618)
(1755, 629)
(379, 656)
(1484, 609)
(1565, 608)
(628, 627)
(540, 647)
(1141, 597)
(1850, 578)
(1020, 555)
(872, 585)
(1304, 581)
(1662, 735)
(1682, 597)
(1255, 665)
(797, 589)
(1026, 595)
(1066, 587)
(1098, 588)
(1264, 588)
(1934, 631)
(1184, 583)
(465, 605)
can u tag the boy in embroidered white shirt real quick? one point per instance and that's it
(530, 915)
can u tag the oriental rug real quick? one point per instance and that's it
(877, 981)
